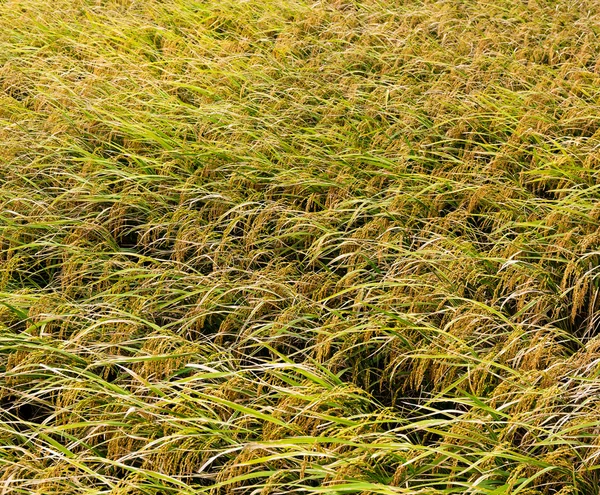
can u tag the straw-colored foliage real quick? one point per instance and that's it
(264, 247)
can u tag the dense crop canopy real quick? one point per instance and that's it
(265, 247)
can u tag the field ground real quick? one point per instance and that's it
(283, 246)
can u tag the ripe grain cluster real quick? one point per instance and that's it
(262, 247)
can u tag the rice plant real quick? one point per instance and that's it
(328, 247)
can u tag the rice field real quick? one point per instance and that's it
(260, 247)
